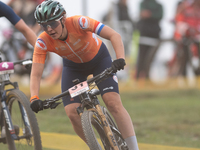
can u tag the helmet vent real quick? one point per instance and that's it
(45, 14)
(49, 3)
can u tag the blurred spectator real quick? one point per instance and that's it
(183, 4)
(151, 12)
(118, 18)
(187, 27)
(25, 9)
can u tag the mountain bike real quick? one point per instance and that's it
(19, 127)
(98, 126)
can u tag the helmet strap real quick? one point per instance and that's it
(62, 31)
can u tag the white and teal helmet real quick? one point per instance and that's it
(49, 10)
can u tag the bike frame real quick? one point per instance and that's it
(88, 101)
(5, 110)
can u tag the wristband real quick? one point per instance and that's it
(34, 97)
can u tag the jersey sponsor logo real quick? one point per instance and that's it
(115, 78)
(108, 88)
(83, 22)
(63, 48)
(41, 44)
(77, 42)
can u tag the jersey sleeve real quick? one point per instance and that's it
(88, 24)
(40, 49)
(7, 11)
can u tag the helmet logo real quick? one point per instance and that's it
(41, 44)
(83, 22)
(57, 8)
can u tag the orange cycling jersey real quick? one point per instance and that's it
(80, 46)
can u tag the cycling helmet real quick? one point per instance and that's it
(49, 10)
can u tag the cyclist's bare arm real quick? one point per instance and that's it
(36, 74)
(26, 31)
(115, 38)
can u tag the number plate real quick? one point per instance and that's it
(6, 68)
(78, 89)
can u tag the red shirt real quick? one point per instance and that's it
(188, 18)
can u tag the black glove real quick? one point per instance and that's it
(118, 64)
(36, 105)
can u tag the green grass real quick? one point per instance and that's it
(160, 117)
(167, 118)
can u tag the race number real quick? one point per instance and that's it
(78, 89)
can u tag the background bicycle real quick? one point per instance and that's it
(19, 127)
(172, 60)
(15, 47)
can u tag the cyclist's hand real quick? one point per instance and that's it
(36, 105)
(118, 64)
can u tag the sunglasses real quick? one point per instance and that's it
(52, 24)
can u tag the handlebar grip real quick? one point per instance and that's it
(29, 61)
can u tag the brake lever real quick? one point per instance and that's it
(54, 105)
(50, 103)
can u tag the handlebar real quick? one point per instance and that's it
(6, 68)
(23, 62)
(51, 103)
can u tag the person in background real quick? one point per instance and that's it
(187, 26)
(18, 23)
(83, 53)
(151, 12)
(119, 19)
(25, 9)
(7, 12)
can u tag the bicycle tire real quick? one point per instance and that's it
(9, 141)
(118, 137)
(88, 122)
(90, 119)
(195, 66)
(34, 142)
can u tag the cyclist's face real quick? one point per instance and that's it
(53, 28)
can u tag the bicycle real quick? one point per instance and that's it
(96, 120)
(184, 54)
(187, 53)
(19, 127)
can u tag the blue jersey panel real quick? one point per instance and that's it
(7, 11)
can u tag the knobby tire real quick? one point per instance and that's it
(91, 122)
(33, 143)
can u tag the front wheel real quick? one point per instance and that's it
(94, 132)
(118, 137)
(24, 122)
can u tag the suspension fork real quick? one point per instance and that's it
(25, 120)
(7, 116)
(107, 128)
